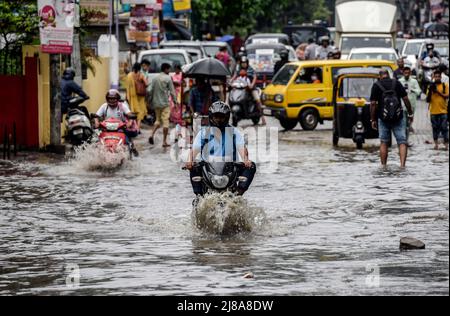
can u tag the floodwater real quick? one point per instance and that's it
(330, 224)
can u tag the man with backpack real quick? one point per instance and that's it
(387, 115)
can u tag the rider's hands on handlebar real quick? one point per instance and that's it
(189, 165)
(248, 164)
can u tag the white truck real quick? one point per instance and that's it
(362, 24)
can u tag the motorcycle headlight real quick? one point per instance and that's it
(220, 182)
(279, 98)
(112, 126)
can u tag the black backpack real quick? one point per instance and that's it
(391, 108)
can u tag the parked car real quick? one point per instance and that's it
(377, 53)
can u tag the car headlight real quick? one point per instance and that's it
(279, 98)
(220, 182)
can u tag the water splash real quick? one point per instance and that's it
(95, 157)
(226, 214)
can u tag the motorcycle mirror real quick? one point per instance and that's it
(197, 179)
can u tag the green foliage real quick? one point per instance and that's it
(19, 22)
(259, 14)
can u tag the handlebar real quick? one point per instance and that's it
(203, 163)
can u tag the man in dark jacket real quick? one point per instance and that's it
(68, 88)
(284, 60)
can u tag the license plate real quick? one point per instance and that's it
(267, 112)
(78, 132)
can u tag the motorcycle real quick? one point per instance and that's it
(219, 176)
(219, 211)
(243, 107)
(78, 123)
(113, 138)
(426, 74)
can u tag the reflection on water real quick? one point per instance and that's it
(330, 214)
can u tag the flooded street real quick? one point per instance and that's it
(333, 220)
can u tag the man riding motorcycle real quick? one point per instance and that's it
(114, 108)
(220, 141)
(430, 48)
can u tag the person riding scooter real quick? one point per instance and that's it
(241, 101)
(244, 64)
(220, 141)
(68, 88)
(114, 108)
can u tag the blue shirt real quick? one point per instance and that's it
(212, 143)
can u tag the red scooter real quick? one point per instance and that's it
(113, 137)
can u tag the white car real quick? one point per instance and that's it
(376, 53)
(157, 57)
(411, 51)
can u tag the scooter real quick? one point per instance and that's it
(113, 138)
(78, 123)
(243, 107)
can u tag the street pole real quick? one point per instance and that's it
(55, 101)
(76, 59)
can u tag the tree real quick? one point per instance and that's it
(18, 26)
(252, 15)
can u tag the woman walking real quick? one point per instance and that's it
(136, 90)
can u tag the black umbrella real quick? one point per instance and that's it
(437, 28)
(208, 67)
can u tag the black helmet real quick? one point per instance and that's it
(244, 59)
(69, 74)
(219, 108)
(284, 54)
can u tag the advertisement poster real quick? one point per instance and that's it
(181, 5)
(262, 61)
(100, 11)
(141, 24)
(56, 22)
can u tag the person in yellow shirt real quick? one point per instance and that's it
(438, 98)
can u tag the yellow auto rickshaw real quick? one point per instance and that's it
(351, 102)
